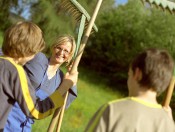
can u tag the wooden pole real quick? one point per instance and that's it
(86, 36)
(54, 120)
(77, 60)
(169, 93)
(61, 115)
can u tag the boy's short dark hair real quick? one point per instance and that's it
(23, 39)
(157, 69)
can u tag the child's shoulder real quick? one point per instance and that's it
(9, 66)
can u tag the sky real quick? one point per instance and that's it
(121, 2)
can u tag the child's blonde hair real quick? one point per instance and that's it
(23, 39)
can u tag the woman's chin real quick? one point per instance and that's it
(59, 61)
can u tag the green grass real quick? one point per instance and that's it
(92, 93)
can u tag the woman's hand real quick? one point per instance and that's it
(72, 76)
(69, 67)
(68, 81)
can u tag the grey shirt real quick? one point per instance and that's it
(131, 115)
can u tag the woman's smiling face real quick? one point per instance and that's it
(61, 53)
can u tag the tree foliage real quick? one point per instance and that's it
(54, 20)
(12, 11)
(45, 14)
(5, 6)
(123, 32)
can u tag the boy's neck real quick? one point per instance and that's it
(13, 59)
(149, 96)
(21, 60)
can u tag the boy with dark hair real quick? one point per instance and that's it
(149, 75)
(21, 42)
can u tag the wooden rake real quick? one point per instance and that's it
(80, 15)
(85, 23)
(165, 5)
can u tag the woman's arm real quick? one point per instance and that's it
(36, 69)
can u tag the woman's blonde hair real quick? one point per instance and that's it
(23, 39)
(63, 39)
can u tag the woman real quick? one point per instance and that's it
(46, 77)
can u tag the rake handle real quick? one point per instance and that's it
(54, 120)
(60, 115)
(76, 63)
(169, 92)
(85, 37)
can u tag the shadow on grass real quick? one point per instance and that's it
(90, 76)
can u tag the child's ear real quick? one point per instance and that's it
(138, 74)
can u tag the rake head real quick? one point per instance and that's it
(76, 10)
(163, 4)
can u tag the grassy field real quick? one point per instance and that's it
(92, 93)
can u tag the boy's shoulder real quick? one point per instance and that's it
(118, 101)
(9, 65)
(133, 101)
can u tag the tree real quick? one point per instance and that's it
(123, 32)
(50, 22)
(54, 20)
(12, 11)
(5, 7)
